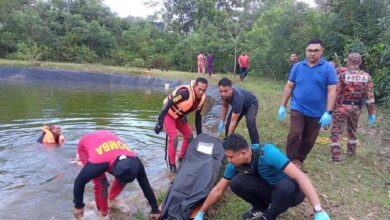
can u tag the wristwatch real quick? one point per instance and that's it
(317, 208)
(330, 112)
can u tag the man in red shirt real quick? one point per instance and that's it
(244, 62)
(101, 152)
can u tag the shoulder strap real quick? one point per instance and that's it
(256, 158)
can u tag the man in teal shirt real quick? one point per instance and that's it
(265, 178)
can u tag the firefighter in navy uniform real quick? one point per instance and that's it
(355, 88)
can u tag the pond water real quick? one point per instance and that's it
(36, 180)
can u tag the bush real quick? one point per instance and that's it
(381, 81)
(160, 61)
(138, 62)
(25, 52)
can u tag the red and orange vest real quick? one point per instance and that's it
(178, 110)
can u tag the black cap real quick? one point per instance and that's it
(125, 168)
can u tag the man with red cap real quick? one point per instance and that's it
(354, 88)
(101, 152)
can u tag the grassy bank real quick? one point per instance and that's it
(356, 188)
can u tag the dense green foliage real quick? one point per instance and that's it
(86, 31)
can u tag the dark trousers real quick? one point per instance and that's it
(250, 117)
(301, 136)
(243, 72)
(273, 199)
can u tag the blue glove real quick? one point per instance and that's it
(220, 127)
(371, 119)
(281, 113)
(326, 119)
(321, 216)
(199, 216)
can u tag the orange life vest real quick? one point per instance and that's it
(48, 137)
(177, 110)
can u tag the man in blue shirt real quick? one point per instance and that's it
(244, 103)
(312, 86)
(265, 178)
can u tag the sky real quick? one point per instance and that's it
(137, 8)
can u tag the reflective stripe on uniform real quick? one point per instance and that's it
(335, 144)
(352, 141)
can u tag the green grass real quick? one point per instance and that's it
(356, 188)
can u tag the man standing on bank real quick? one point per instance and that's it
(201, 62)
(244, 62)
(244, 103)
(210, 59)
(101, 152)
(312, 86)
(354, 89)
(294, 58)
(265, 178)
(183, 100)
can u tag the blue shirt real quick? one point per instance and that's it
(270, 165)
(310, 93)
(241, 100)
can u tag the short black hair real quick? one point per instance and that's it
(296, 53)
(235, 142)
(315, 41)
(201, 80)
(225, 82)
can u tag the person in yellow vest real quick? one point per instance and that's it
(183, 100)
(51, 134)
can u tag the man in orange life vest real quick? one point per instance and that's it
(183, 100)
(101, 152)
(51, 134)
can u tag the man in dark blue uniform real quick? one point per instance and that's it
(244, 103)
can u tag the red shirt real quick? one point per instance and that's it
(102, 147)
(243, 60)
